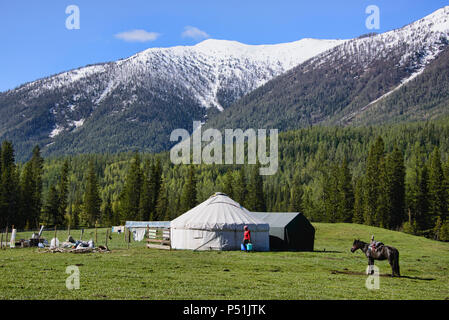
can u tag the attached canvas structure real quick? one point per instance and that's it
(288, 231)
(217, 224)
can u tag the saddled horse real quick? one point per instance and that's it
(383, 253)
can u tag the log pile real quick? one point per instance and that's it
(100, 249)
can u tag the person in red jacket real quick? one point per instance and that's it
(246, 237)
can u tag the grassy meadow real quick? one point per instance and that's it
(331, 272)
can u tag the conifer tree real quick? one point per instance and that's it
(417, 192)
(52, 206)
(37, 164)
(331, 196)
(446, 186)
(383, 203)
(358, 202)
(255, 194)
(396, 190)
(63, 188)
(92, 200)
(76, 212)
(239, 187)
(9, 187)
(130, 196)
(162, 212)
(345, 194)
(107, 215)
(155, 184)
(189, 194)
(146, 208)
(27, 194)
(437, 192)
(371, 182)
(296, 194)
(228, 184)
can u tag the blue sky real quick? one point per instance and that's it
(36, 43)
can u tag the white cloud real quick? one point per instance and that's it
(137, 36)
(194, 33)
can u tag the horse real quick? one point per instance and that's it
(383, 253)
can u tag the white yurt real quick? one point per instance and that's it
(217, 224)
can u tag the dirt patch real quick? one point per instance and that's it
(352, 273)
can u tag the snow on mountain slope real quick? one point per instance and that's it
(334, 87)
(219, 65)
(417, 44)
(214, 73)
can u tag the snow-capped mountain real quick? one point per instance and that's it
(136, 102)
(344, 84)
(203, 70)
(190, 79)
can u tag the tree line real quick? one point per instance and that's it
(393, 177)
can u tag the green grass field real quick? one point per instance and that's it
(141, 273)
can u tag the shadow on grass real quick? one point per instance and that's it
(352, 273)
(324, 251)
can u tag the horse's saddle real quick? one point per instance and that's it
(376, 245)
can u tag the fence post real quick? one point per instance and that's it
(107, 233)
(6, 240)
(96, 238)
(55, 231)
(12, 233)
(1, 242)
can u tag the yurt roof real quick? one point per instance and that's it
(219, 212)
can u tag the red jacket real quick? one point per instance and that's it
(247, 235)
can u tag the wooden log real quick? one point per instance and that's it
(158, 246)
(158, 241)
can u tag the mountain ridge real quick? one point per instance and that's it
(172, 86)
(135, 102)
(338, 84)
